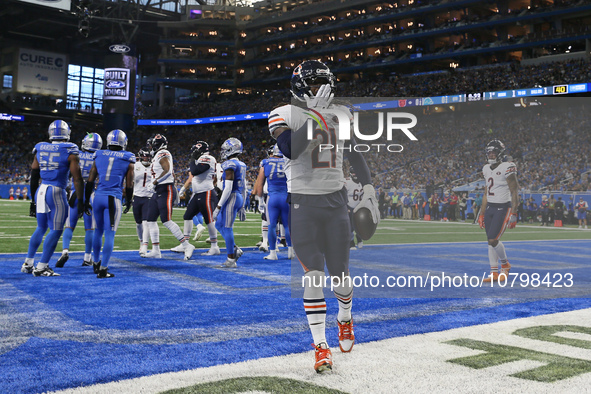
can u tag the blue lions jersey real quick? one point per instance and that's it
(239, 169)
(86, 159)
(53, 161)
(275, 174)
(112, 167)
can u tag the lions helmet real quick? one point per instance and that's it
(230, 147)
(92, 142)
(200, 148)
(496, 147)
(158, 142)
(353, 175)
(117, 137)
(59, 131)
(310, 72)
(275, 151)
(144, 156)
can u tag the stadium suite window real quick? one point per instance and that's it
(7, 81)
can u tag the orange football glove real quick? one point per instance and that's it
(512, 221)
(481, 221)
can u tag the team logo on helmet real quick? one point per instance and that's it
(230, 147)
(92, 142)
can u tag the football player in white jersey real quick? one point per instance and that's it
(204, 198)
(165, 194)
(354, 195)
(318, 199)
(141, 197)
(499, 206)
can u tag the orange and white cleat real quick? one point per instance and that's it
(323, 358)
(496, 277)
(346, 336)
(505, 268)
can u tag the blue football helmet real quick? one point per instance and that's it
(230, 147)
(59, 131)
(275, 151)
(92, 142)
(117, 137)
(498, 148)
(158, 142)
(310, 72)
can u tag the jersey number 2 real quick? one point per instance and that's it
(328, 138)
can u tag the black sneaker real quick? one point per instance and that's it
(44, 272)
(104, 273)
(283, 242)
(87, 263)
(62, 260)
(97, 267)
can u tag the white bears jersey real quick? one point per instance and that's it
(218, 174)
(204, 181)
(354, 192)
(497, 188)
(142, 176)
(314, 172)
(157, 167)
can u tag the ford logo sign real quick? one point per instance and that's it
(118, 48)
(115, 84)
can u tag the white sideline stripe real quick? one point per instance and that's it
(411, 364)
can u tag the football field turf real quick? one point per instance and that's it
(167, 324)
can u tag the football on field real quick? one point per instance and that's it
(364, 225)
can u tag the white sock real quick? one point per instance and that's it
(175, 230)
(29, 261)
(314, 302)
(87, 257)
(154, 233)
(213, 234)
(493, 259)
(145, 232)
(344, 295)
(65, 251)
(500, 249)
(41, 266)
(188, 228)
(139, 228)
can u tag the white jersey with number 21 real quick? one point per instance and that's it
(316, 171)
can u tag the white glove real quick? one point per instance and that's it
(182, 191)
(261, 207)
(215, 213)
(242, 215)
(322, 98)
(151, 187)
(370, 202)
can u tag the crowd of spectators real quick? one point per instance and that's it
(549, 143)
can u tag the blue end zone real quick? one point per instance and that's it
(163, 315)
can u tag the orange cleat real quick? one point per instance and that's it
(323, 358)
(346, 336)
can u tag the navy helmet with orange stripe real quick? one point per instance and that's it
(308, 73)
(495, 152)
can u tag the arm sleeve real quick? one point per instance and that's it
(35, 175)
(197, 169)
(293, 144)
(226, 193)
(360, 165)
